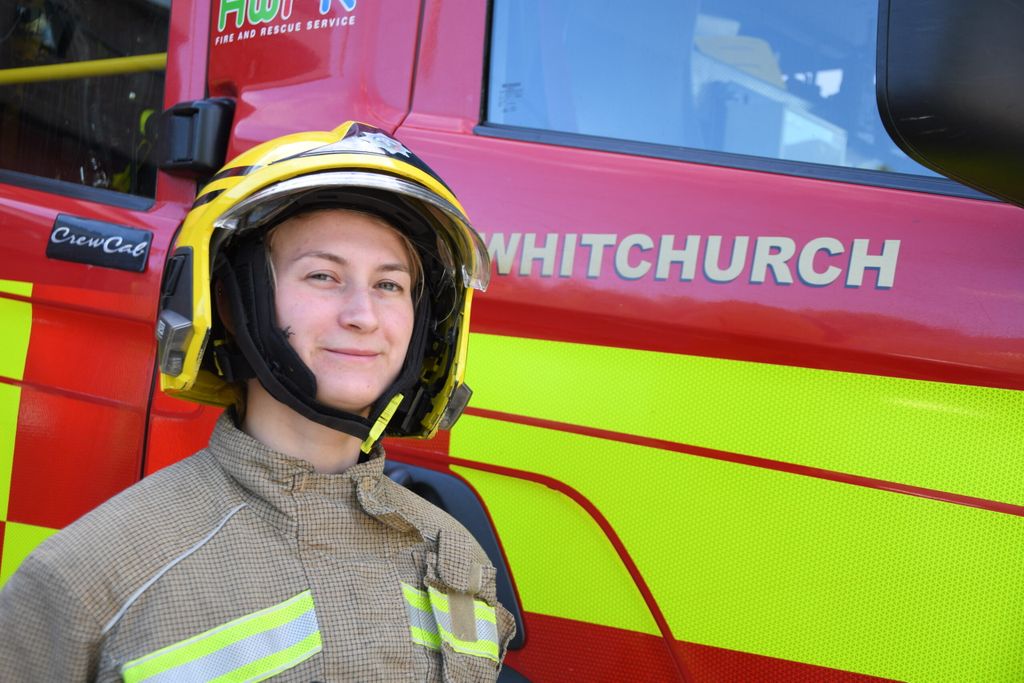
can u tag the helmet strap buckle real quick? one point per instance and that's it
(382, 422)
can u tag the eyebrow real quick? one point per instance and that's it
(342, 261)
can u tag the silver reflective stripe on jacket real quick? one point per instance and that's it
(251, 648)
(430, 623)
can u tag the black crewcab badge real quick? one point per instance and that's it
(98, 243)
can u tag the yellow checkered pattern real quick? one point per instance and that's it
(16, 323)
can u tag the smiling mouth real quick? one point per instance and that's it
(358, 354)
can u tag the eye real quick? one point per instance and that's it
(390, 286)
(321, 276)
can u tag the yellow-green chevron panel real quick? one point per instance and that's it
(562, 561)
(16, 287)
(779, 564)
(19, 541)
(10, 399)
(949, 437)
(15, 328)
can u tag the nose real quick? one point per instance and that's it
(358, 310)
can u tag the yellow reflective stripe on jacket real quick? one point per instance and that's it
(430, 623)
(252, 648)
(421, 619)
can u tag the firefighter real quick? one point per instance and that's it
(320, 287)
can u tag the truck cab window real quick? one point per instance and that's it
(782, 79)
(80, 84)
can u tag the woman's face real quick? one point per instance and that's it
(344, 298)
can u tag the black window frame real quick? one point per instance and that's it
(65, 188)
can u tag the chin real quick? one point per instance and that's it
(347, 404)
(351, 397)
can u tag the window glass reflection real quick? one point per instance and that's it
(784, 79)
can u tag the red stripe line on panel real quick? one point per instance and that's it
(39, 299)
(753, 461)
(610, 533)
(49, 389)
(597, 654)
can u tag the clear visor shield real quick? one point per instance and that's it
(467, 254)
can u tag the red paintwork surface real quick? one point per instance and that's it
(564, 650)
(71, 455)
(449, 68)
(433, 447)
(317, 78)
(177, 428)
(84, 400)
(186, 52)
(185, 79)
(949, 317)
(84, 396)
(955, 314)
(82, 411)
(765, 463)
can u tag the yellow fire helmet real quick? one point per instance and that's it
(355, 167)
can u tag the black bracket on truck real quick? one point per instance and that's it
(192, 137)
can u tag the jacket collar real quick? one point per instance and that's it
(275, 478)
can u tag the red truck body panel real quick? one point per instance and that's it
(591, 257)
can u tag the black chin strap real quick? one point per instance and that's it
(249, 361)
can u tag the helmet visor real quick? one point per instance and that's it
(468, 252)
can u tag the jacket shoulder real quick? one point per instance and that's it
(103, 552)
(431, 521)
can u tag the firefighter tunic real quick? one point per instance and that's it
(243, 562)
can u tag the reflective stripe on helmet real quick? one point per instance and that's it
(252, 648)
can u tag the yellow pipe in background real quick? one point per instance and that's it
(86, 69)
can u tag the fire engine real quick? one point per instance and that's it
(748, 379)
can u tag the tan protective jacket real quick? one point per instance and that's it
(242, 561)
